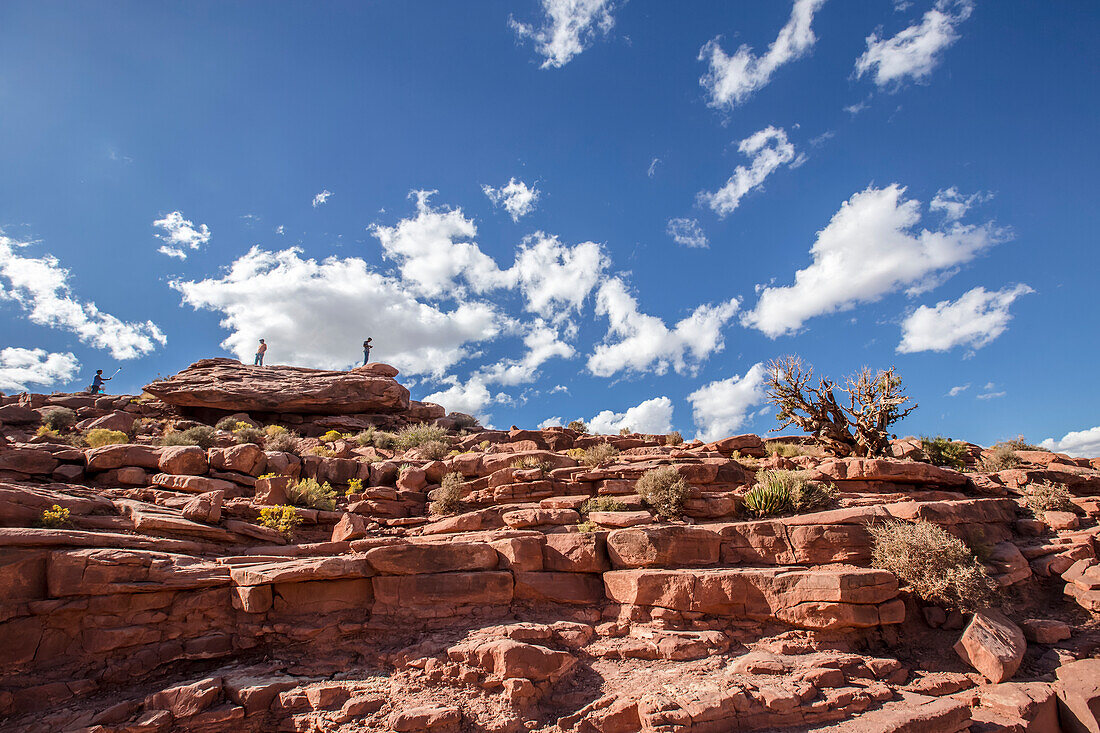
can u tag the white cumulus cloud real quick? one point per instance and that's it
(569, 28)
(543, 343)
(40, 286)
(974, 320)
(687, 232)
(871, 247)
(318, 313)
(1079, 444)
(180, 234)
(556, 279)
(638, 342)
(471, 397)
(653, 417)
(769, 149)
(723, 407)
(914, 52)
(732, 79)
(517, 198)
(20, 368)
(321, 198)
(953, 205)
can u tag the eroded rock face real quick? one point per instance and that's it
(227, 384)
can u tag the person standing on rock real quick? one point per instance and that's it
(366, 352)
(97, 382)
(260, 354)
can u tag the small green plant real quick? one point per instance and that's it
(54, 517)
(1047, 497)
(790, 450)
(943, 451)
(674, 438)
(768, 500)
(355, 486)
(267, 475)
(484, 445)
(935, 565)
(384, 440)
(602, 504)
(100, 437)
(781, 492)
(1018, 443)
(44, 431)
(200, 435)
(415, 435)
(588, 527)
(309, 493)
(578, 426)
(434, 450)
(333, 435)
(273, 430)
(1000, 458)
(58, 418)
(283, 519)
(281, 440)
(323, 451)
(447, 499)
(227, 424)
(245, 433)
(529, 462)
(624, 431)
(663, 490)
(599, 454)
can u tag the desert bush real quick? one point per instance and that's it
(448, 497)
(333, 435)
(416, 435)
(308, 493)
(227, 424)
(355, 486)
(780, 492)
(58, 418)
(598, 455)
(54, 517)
(273, 430)
(434, 450)
(529, 462)
(284, 440)
(245, 433)
(1047, 497)
(942, 451)
(935, 565)
(1001, 458)
(100, 437)
(200, 435)
(674, 438)
(484, 445)
(625, 431)
(663, 490)
(768, 499)
(283, 519)
(602, 504)
(587, 527)
(323, 451)
(856, 424)
(789, 450)
(1018, 443)
(44, 431)
(579, 426)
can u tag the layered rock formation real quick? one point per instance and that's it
(160, 600)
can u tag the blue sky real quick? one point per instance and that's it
(635, 203)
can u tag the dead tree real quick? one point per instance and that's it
(855, 425)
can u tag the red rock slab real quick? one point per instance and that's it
(993, 645)
(511, 659)
(111, 571)
(575, 552)
(186, 700)
(665, 546)
(301, 569)
(585, 589)
(322, 596)
(1031, 706)
(439, 594)
(946, 513)
(227, 384)
(439, 557)
(426, 718)
(35, 537)
(1078, 689)
(28, 461)
(193, 484)
(24, 503)
(886, 469)
(179, 459)
(912, 714)
(621, 519)
(537, 517)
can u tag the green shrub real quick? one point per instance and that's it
(227, 424)
(308, 493)
(415, 435)
(447, 499)
(58, 418)
(323, 451)
(780, 492)
(44, 431)
(790, 450)
(283, 519)
(484, 445)
(100, 437)
(579, 426)
(54, 517)
(283, 440)
(768, 500)
(529, 462)
(200, 435)
(1047, 497)
(935, 565)
(674, 438)
(602, 504)
(943, 451)
(625, 431)
(663, 490)
(245, 433)
(587, 527)
(434, 450)
(333, 435)
(273, 430)
(598, 455)
(355, 486)
(1018, 443)
(1001, 458)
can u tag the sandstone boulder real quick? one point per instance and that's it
(247, 458)
(1078, 688)
(205, 508)
(184, 701)
(118, 420)
(227, 384)
(993, 645)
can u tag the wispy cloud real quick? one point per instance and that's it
(769, 149)
(570, 26)
(180, 235)
(913, 53)
(321, 198)
(686, 232)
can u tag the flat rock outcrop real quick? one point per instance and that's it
(227, 384)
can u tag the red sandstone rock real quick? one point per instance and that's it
(29, 461)
(885, 469)
(226, 384)
(1045, 630)
(272, 491)
(350, 527)
(186, 700)
(575, 552)
(1078, 689)
(536, 517)
(441, 557)
(430, 718)
(666, 546)
(206, 508)
(438, 594)
(246, 458)
(193, 484)
(993, 645)
(621, 519)
(584, 589)
(1027, 706)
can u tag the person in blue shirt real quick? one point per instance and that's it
(366, 352)
(97, 382)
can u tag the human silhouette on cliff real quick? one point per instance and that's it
(366, 352)
(260, 354)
